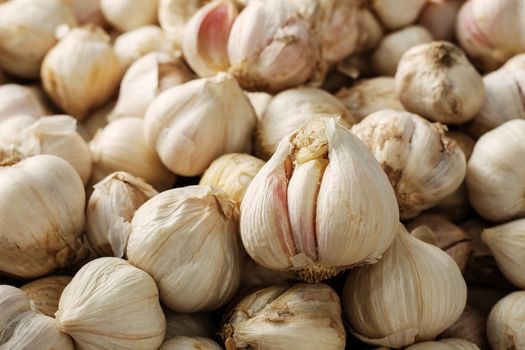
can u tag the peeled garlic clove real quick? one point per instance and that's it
(505, 327)
(445, 344)
(112, 305)
(289, 110)
(423, 165)
(353, 212)
(174, 14)
(50, 191)
(305, 316)
(430, 294)
(397, 13)
(254, 274)
(192, 124)
(439, 18)
(370, 30)
(125, 15)
(88, 12)
(195, 324)
(121, 146)
(187, 240)
(469, 326)
(436, 81)
(27, 32)
(82, 71)
(110, 210)
(190, 343)
(45, 293)
(259, 101)
(17, 100)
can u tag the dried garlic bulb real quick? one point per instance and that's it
(232, 173)
(291, 109)
(125, 15)
(469, 326)
(112, 305)
(259, 101)
(110, 210)
(281, 317)
(27, 32)
(423, 165)
(49, 190)
(505, 326)
(81, 72)
(370, 30)
(187, 239)
(397, 13)
(121, 146)
(45, 293)
(174, 14)
(190, 343)
(321, 204)
(19, 100)
(195, 324)
(495, 173)
(95, 121)
(88, 12)
(445, 344)
(192, 124)
(132, 45)
(430, 294)
(439, 18)
(254, 274)
(436, 81)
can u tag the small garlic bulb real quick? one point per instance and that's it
(505, 327)
(439, 18)
(187, 240)
(436, 81)
(45, 293)
(110, 210)
(397, 13)
(388, 53)
(17, 100)
(430, 294)
(195, 324)
(190, 343)
(320, 205)
(254, 274)
(121, 146)
(423, 165)
(445, 344)
(192, 124)
(27, 32)
(125, 15)
(259, 101)
(469, 326)
(173, 16)
(111, 305)
(289, 110)
(370, 30)
(88, 12)
(81, 72)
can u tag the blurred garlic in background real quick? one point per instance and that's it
(19, 100)
(173, 16)
(195, 324)
(254, 274)
(505, 327)
(190, 343)
(397, 13)
(45, 293)
(126, 15)
(88, 12)
(370, 30)
(439, 18)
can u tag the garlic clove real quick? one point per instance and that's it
(173, 16)
(505, 328)
(126, 15)
(190, 343)
(445, 344)
(19, 100)
(45, 293)
(195, 324)
(396, 14)
(370, 30)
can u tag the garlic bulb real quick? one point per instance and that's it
(50, 191)
(423, 165)
(439, 18)
(125, 15)
(507, 243)
(195, 324)
(367, 96)
(397, 13)
(505, 327)
(388, 53)
(112, 305)
(291, 109)
(469, 326)
(436, 81)
(27, 32)
(430, 294)
(45, 293)
(445, 344)
(495, 173)
(192, 124)
(190, 343)
(132, 45)
(259, 101)
(370, 30)
(110, 210)
(254, 274)
(174, 14)
(187, 240)
(95, 121)
(10, 129)
(88, 12)
(81, 72)
(321, 204)
(17, 100)
(146, 79)
(232, 173)
(303, 316)
(491, 32)
(121, 146)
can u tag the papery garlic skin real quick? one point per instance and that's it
(195, 324)
(439, 18)
(397, 13)
(192, 124)
(190, 343)
(132, 45)
(17, 100)
(45, 293)
(174, 14)
(505, 327)
(445, 344)
(126, 15)
(469, 326)
(430, 294)
(187, 240)
(112, 305)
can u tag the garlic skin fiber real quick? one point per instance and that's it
(320, 205)
(397, 13)
(445, 344)
(190, 343)
(505, 327)
(45, 293)
(126, 15)
(19, 100)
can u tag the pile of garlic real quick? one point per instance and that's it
(262, 174)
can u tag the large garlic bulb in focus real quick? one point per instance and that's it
(45, 293)
(126, 15)
(19, 100)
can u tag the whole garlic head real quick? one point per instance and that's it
(45, 293)
(190, 343)
(397, 13)
(505, 327)
(125, 15)
(321, 204)
(445, 344)
(19, 100)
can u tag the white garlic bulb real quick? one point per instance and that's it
(397, 13)
(445, 344)
(187, 240)
(439, 18)
(190, 343)
(174, 14)
(81, 72)
(436, 81)
(110, 210)
(192, 124)
(430, 294)
(423, 165)
(45, 293)
(121, 146)
(125, 15)
(370, 30)
(195, 324)
(10, 129)
(19, 100)
(505, 327)
(321, 204)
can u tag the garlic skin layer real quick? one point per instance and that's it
(110, 304)
(194, 324)
(190, 343)
(126, 15)
(505, 328)
(320, 205)
(19, 100)
(430, 294)
(445, 344)
(396, 14)
(187, 240)
(305, 316)
(45, 293)
(173, 16)
(439, 18)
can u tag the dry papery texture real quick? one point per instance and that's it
(422, 163)
(436, 81)
(321, 204)
(187, 239)
(190, 343)
(45, 293)
(439, 18)
(195, 324)
(305, 316)
(445, 344)
(396, 14)
(125, 15)
(111, 305)
(88, 12)
(174, 14)
(505, 326)
(429, 290)
(469, 326)
(254, 274)
(19, 100)
(370, 30)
